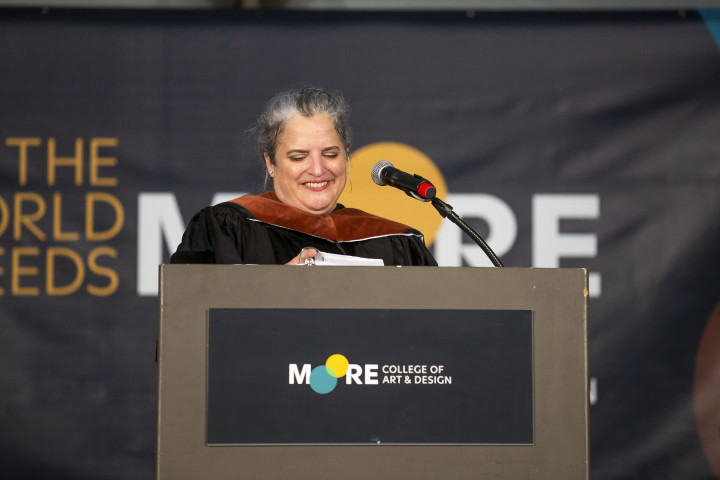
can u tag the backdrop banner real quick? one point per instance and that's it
(566, 139)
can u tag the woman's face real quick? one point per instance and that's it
(309, 171)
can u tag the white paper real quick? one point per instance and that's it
(332, 259)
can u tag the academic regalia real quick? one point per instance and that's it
(260, 229)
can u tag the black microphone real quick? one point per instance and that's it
(383, 173)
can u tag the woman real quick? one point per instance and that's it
(304, 140)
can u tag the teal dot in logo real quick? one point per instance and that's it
(322, 379)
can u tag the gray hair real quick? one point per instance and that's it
(307, 102)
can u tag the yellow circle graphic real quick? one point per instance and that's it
(338, 364)
(361, 192)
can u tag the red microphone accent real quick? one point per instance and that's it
(423, 190)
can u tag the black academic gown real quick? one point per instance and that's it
(262, 230)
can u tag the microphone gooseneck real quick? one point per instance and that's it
(383, 173)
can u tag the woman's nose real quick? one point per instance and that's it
(317, 165)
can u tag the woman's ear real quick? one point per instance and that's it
(269, 165)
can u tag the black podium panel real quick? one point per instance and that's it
(369, 376)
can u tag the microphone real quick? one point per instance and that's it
(383, 173)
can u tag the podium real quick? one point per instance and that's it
(277, 372)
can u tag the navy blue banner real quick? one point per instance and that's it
(566, 139)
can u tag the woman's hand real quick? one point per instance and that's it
(305, 253)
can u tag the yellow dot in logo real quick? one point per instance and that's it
(361, 192)
(338, 364)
